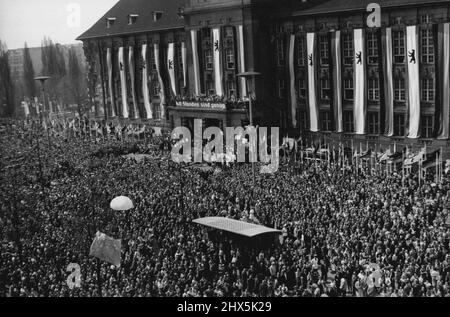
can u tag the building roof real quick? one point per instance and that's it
(144, 22)
(333, 6)
(235, 226)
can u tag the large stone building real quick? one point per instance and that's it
(328, 68)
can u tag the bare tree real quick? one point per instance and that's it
(76, 82)
(6, 84)
(53, 64)
(29, 75)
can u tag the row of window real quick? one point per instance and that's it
(229, 58)
(427, 89)
(372, 41)
(373, 123)
(230, 89)
(228, 52)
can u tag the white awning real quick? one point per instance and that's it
(235, 226)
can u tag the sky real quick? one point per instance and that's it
(62, 20)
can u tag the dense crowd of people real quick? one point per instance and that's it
(344, 233)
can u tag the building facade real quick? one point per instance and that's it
(326, 70)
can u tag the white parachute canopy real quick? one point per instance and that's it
(121, 203)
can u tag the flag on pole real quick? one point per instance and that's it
(106, 249)
(385, 155)
(416, 158)
(430, 159)
(396, 157)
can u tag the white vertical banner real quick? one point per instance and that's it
(217, 62)
(145, 92)
(241, 59)
(388, 82)
(444, 80)
(26, 108)
(412, 47)
(161, 83)
(123, 84)
(293, 94)
(337, 80)
(312, 98)
(110, 81)
(36, 102)
(359, 109)
(195, 62)
(171, 67)
(131, 66)
(184, 60)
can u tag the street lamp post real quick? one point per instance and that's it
(250, 75)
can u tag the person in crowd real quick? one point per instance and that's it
(343, 234)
